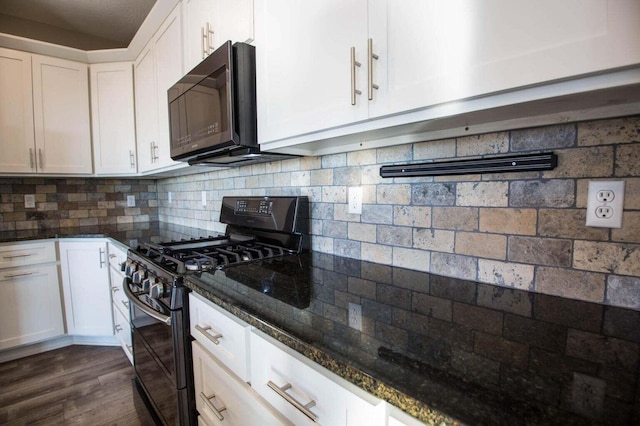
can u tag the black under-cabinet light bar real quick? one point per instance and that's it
(503, 164)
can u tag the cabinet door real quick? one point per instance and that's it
(222, 399)
(197, 15)
(146, 107)
(168, 56)
(61, 116)
(304, 65)
(85, 281)
(112, 117)
(301, 382)
(16, 113)
(433, 52)
(233, 21)
(30, 308)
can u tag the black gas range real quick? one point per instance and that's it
(258, 230)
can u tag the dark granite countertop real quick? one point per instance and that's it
(445, 350)
(129, 234)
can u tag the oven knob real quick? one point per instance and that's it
(147, 283)
(129, 267)
(138, 276)
(156, 291)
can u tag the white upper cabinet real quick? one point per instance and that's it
(424, 55)
(210, 23)
(304, 67)
(61, 116)
(156, 69)
(432, 52)
(112, 117)
(44, 115)
(17, 143)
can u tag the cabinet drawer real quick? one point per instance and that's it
(117, 255)
(117, 293)
(27, 254)
(222, 399)
(305, 392)
(222, 334)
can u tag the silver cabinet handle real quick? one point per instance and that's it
(125, 303)
(370, 57)
(207, 401)
(213, 338)
(31, 160)
(118, 328)
(132, 159)
(100, 253)
(114, 289)
(354, 64)
(17, 255)
(304, 409)
(23, 274)
(210, 32)
(41, 159)
(203, 38)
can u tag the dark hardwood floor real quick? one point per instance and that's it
(76, 385)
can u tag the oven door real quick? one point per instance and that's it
(153, 354)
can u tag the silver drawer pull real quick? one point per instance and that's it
(115, 289)
(213, 338)
(17, 255)
(304, 409)
(125, 303)
(118, 328)
(24, 274)
(208, 403)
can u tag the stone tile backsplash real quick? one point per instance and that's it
(72, 202)
(520, 230)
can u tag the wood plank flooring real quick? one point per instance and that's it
(76, 385)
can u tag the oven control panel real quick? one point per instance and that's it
(254, 207)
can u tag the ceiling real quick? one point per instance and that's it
(81, 24)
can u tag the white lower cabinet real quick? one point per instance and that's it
(121, 318)
(222, 334)
(305, 392)
(85, 282)
(223, 399)
(30, 306)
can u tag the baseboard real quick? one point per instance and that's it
(56, 343)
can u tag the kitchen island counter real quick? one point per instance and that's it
(444, 350)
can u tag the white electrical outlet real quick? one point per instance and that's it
(605, 204)
(204, 198)
(355, 316)
(355, 199)
(131, 200)
(29, 201)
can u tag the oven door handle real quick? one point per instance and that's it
(144, 308)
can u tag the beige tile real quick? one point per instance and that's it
(482, 194)
(572, 284)
(620, 259)
(506, 274)
(490, 246)
(508, 221)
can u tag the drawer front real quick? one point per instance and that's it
(223, 335)
(117, 255)
(123, 331)
(117, 293)
(305, 392)
(27, 254)
(222, 399)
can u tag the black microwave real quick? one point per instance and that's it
(212, 110)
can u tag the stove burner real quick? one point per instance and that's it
(200, 264)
